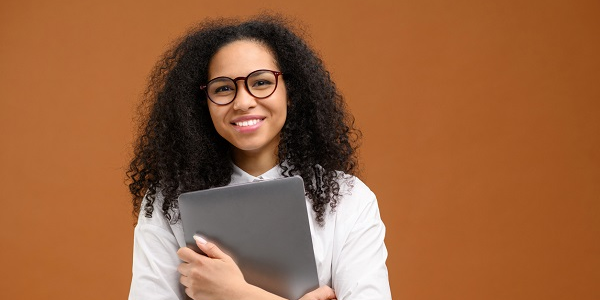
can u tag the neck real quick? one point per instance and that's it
(254, 164)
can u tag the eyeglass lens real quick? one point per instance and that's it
(260, 84)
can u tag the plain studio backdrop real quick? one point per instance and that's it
(481, 123)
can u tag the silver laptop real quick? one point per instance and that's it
(263, 226)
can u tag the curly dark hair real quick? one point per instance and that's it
(179, 150)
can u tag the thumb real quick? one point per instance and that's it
(322, 293)
(210, 249)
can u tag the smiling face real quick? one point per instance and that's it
(249, 124)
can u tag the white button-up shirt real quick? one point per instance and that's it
(349, 249)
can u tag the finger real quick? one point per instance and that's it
(188, 292)
(322, 293)
(185, 281)
(325, 292)
(184, 269)
(187, 255)
(210, 249)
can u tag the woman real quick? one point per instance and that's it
(233, 102)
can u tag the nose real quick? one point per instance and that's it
(243, 99)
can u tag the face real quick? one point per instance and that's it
(250, 125)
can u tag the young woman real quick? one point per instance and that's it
(234, 102)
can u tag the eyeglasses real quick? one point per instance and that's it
(260, 84)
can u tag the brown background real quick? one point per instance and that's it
(481, 124)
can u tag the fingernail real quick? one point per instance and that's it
(199, 239)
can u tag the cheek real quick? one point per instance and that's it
(212, 114)
(284, 111)
(282, 117)
(216, 115)
(282, 103)
(279, 109)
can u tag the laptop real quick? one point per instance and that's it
(263, 226)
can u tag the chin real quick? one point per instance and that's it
(248, 148)
(255, 146)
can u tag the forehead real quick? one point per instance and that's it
(239, 58)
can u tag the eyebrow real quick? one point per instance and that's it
(232, 78)
(220, 78)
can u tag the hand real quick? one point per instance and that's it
(214, 277)
(322, 293)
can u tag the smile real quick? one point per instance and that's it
(247, 123)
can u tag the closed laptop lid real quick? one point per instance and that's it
(263, 226)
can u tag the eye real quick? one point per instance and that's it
(261, 80)
(260, 84)
(222, 89)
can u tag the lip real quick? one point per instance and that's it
(247, 117)
(247, 129)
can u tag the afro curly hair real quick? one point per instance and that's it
(179, 150)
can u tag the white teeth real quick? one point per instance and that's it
(247, 123)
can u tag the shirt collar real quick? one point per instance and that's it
(240, 176)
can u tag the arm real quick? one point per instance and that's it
(359, 272)
(155, 261)
(217, 277)
(154, 272)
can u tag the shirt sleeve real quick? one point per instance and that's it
(155, 261)
(360, 271)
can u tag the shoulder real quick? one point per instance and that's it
(355, 197)
(158, 224)
(352, 186)
(158, 218)
(353, 191)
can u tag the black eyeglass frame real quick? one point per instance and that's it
(235, 80)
